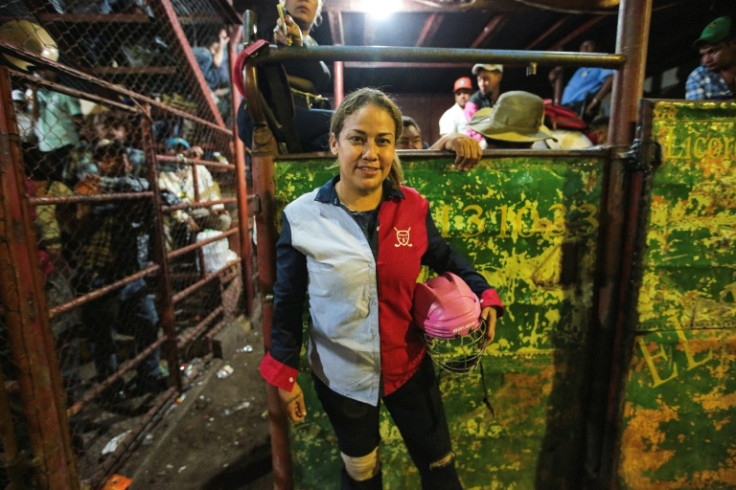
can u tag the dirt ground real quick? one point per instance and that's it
(216, 436)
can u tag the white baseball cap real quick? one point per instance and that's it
(480, 66)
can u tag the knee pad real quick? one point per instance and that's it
(362, 468)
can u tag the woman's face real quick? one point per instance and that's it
(303, 12)
(365, 149)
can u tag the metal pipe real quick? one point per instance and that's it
(493, 26)
(128, 365)
(215, 166)
(198, 245)
(264, 152)
(42, 62)
(274, 54)
(250, 23)
(628, 85)
(203, 204)
(26, 315)
(608, 355)
(632, 41)
(245, 246)
(164, 10)
(339, 82)
(199, 284)
(579, 31)
(40, 201)
(63, 89)
(167, 317)
(193, 332)
(97, 293)
(195, 188)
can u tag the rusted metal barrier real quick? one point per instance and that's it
(45, 248)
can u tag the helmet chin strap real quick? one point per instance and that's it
(486, 399)
(484, 385)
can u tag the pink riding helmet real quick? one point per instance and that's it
(445, 307)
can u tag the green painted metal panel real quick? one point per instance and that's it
(680, 395)
(530, 226)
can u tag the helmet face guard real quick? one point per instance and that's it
(448, 313)
(458, 355)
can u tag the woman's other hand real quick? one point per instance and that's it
(293, 402)
(489, 315)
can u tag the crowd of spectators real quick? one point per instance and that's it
(87, 246)
(92, 245)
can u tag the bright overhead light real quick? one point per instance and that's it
(381, 9)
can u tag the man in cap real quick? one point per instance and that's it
(489, 88)
(453, 120)
(715, 78)
(515, 121)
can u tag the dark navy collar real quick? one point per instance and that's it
(328, 193)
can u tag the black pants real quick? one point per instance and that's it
(416, 409)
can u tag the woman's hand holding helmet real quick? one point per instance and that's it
(490, 316)
(293, 402)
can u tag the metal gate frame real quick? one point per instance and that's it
(27, 314)
(618, 237)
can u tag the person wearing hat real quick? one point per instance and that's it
(514, 122)
(489, 88)
(176, 181)
(715, 78)
(453, 120)
(57, 117)
(22, 116)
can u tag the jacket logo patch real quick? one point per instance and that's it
(402, 237)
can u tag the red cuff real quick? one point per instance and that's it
(277, 373)
(490, 298)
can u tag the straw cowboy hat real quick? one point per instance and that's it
(517, 116)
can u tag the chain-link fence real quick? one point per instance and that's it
(140, 44)
(124, 228)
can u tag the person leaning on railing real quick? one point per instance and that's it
(307, 79)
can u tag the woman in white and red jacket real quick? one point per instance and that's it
(356, 245)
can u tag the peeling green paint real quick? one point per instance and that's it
(530, 226)
(680, 395)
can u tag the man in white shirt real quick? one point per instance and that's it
(453, 120)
